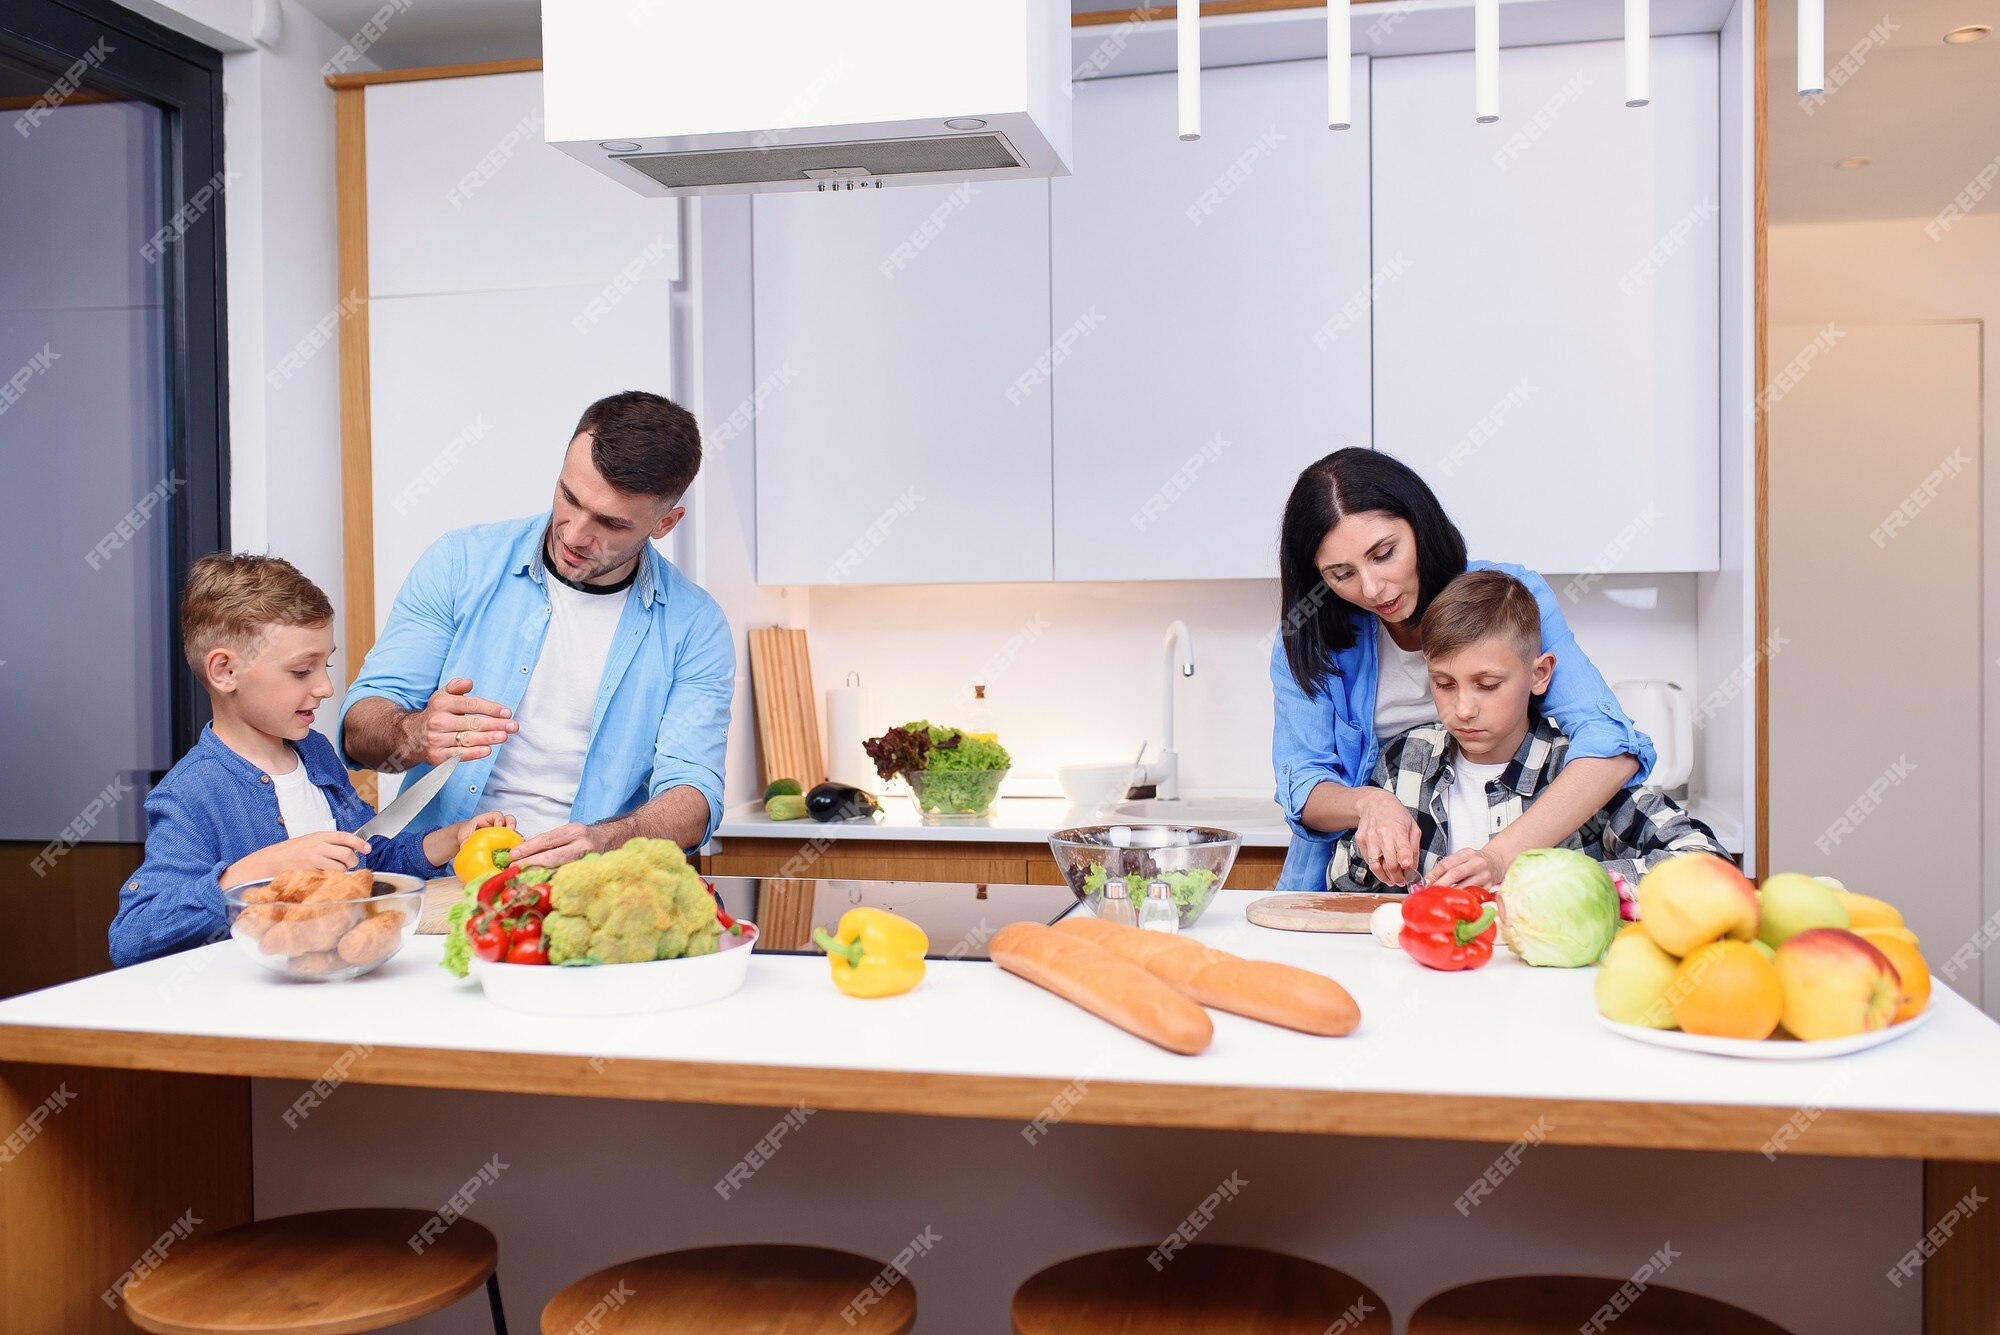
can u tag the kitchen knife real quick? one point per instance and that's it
(391, 819)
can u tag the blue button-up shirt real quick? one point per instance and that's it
(1331, 736)
(476, 605)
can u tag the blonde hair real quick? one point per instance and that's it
(1480, 604)
(231, 596)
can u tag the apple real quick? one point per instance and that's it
(1631, 984)
(1695, 898)
(1836, 984)
(1790, 903)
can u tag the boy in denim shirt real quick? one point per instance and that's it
(260, 792)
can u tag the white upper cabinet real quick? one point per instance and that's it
(1546, 352)
(903, 356)
(464, 196)
(1220, 294)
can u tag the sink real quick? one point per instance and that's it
(1228, 812)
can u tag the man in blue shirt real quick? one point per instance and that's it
(604, 676)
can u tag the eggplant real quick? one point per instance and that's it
(838, 801)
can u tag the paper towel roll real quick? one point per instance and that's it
(846, 762)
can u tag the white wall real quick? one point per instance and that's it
(1081, 680)
(1884, 272)
(285, 438)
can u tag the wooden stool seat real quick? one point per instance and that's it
(328, 1273)
(1564, 1304)
(1203, 1290)
(744, 1290)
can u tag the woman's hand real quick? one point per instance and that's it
(1385, 834)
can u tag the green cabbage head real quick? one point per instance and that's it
(1558, 907)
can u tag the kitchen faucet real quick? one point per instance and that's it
(1165, 773)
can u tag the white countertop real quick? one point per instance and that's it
(1024, 820)
(1502, 1031)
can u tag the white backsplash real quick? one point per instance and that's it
(1072, 671)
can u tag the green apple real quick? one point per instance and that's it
(1631, 984)
(1790, 903)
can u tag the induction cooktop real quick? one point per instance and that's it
(958, 919)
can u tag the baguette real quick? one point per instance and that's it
(1108, 986)
(1274, 993)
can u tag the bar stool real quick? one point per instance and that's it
(1563, 1304)
(325, 1273)
(1204, 1290)
(760, 1289)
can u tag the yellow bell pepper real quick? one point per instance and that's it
(874, 953)
(484, 850)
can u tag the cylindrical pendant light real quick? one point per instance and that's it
(1187, 34)
(1638, 36)
(1486, 61)
(1812, 47)
(1339, 67)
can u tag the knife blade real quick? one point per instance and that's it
(390, 820)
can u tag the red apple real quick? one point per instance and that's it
(1695, 898)
(1836, 984)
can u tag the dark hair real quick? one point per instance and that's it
(642, 443)
(1479, 605)
(1318, 623)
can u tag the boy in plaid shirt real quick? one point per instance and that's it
(1469, 776)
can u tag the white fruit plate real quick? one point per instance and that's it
(1767, 1049)
(619, 989)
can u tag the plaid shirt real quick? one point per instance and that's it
(1637, 829)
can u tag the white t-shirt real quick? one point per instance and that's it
(1402, 687)
(301, 805)
(1466, 806)
(535, 771)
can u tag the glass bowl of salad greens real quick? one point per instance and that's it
(954, 775)
(1194, 861)
(947, 795)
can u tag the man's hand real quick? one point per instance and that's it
(329, 850)
(565, 843)
(1472, 866)
(453, 722)
(1386, 838)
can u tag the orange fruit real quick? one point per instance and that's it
(1900, 945)
(1727, 989)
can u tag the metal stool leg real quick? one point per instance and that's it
(493, 1300)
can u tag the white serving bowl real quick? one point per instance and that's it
(1097, 784)
(574, 990)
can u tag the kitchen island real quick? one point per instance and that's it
(1017, 1127)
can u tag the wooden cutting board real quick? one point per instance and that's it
(787, 722)
(1315, 912)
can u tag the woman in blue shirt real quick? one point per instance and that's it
(1365, 546)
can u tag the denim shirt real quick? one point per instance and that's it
(476, 605)
(1331, 737)
(215, 808)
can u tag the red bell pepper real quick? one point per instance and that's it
(1449, 927)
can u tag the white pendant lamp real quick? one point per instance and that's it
(1187, 35)
(1486, 61)
(1638, 35)
(1339, 67)
(1812, 47)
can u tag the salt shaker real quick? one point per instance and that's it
(1158, 912)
